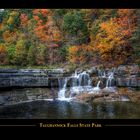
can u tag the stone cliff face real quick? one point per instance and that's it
(128, 76)
(124, 76)
(30, 78)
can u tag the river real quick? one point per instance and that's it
(43, 109)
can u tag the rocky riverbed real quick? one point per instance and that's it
(15, 96)
(116, 84)
(121, 94)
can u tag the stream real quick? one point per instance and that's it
(70, 110)
(58, 103)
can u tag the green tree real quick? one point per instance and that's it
(20, 57)
(74, 26)
(11, 53)
(41, 54)
(31, 58)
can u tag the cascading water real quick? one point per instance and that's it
(109, 86)
(97, 88)
(109, 80)
(62, 88)
(81, 79)
(80, 82)
(98, 84)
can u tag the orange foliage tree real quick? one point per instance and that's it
(24, 19)
(79, 54)
(3, 55)
(112, 41)
(47, 32)
(42, 36)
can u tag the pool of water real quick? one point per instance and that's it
(71, 110)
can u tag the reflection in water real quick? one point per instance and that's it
(71, 110)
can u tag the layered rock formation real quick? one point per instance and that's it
(124, 76)
(30, 77)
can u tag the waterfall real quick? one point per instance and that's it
(98, 84)
(109, 86)
(109, 80)
(62, 88)
(81, 79)
(97, 88)
(84, 79)
(104, 74)
(80, 82)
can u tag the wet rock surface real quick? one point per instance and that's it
(122, 94)
(33, 94)
(124, 76)
(26, 94)
(31, 77)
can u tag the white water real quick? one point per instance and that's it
(98, 84)
(109, 86)
(124, 98)
(109, 80)
(62, 89)
(97, 88)
(81, 83)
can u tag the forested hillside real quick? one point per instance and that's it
(109, 37)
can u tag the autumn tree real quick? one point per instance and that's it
(11, 49)
(31, 57)
(47, 32)
(20, 57)
(53, 36)
(75, 28)
(41, 54)
(3, 55)
(135, 39)
(112, 40)
(79, 54)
